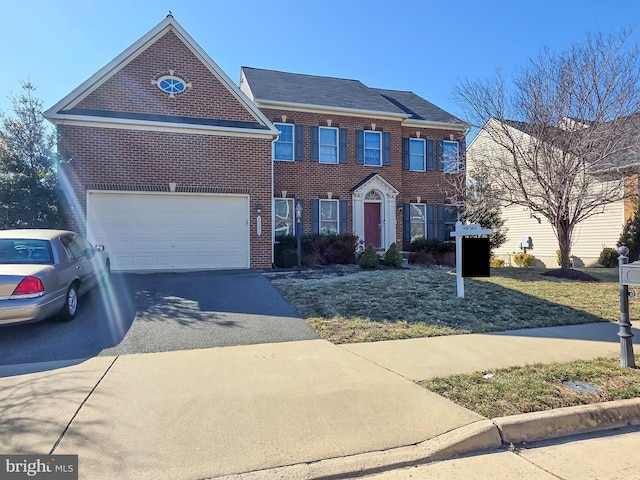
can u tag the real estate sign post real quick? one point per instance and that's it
(471, 230)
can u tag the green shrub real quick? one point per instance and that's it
(630, 236)
(524, 260)
(393, 257)
(608, 257)
(496, 263)
(369, 258)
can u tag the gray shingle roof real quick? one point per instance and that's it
(275, 86)
(417, 107)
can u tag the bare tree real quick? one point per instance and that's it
(559, 137)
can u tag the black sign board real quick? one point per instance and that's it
(475, 256)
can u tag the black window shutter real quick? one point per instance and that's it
(315, 216)
(360, 147)
(344, 216)
(429, 147)
(406, 154)
(299, 140)
(315, 142)
(386, 148)
(343, 145)
(462, 152)
(295, 219)
(440, 154)
(441, 224)
(406, 223)
(430, 222)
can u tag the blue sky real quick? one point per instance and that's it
(423, 46)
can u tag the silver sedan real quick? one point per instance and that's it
(44, 272)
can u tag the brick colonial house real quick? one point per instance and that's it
(173, 166)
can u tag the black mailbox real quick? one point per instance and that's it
(476, 253)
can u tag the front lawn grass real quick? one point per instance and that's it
(391, 304)
(538, 387)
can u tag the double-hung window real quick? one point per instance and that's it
(328, 145)
(418, 220)
(284, 216)
(329, 217)
(283, 145)
(450, 217)
(417, 157)
(373, 148)
(449, 157)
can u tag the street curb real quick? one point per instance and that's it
(475, 437)
(562, 422)
(481, 435)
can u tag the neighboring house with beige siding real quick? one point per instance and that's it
(533, 231)
(589, 237)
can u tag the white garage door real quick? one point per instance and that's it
(161, 231)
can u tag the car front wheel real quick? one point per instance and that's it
(70, 309)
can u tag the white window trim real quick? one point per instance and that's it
(293, 214)
(456, 166)
(337, 145)
(424, 224)
(424, 155)
(293, 143)
(337, 203)
(364, 153)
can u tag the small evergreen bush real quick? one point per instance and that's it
(608, 257)
(369, 258)
(524, 260)
(630, 236)
(393, 257)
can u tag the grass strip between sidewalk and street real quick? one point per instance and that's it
(538, 387)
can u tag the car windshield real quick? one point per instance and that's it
(25, 251)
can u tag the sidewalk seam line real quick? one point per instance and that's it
(66, 428)
(376, 364)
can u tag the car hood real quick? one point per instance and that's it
(12, 274)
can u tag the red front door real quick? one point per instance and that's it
(372, 224)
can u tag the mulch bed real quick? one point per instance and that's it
(570, 274)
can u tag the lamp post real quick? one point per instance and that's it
(299, 233)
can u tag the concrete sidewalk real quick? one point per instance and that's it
(289, 410)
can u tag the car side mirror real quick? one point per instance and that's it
(99, 248)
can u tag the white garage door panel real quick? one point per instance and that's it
(170, 231)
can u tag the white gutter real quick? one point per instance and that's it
(354, 112)
(118, 123)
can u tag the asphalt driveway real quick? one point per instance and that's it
(140, 313)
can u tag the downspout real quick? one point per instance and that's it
(273, 215)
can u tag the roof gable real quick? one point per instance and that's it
(124, 93)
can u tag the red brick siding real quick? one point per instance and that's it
(113, 156)
(131, 90)
(309, 180)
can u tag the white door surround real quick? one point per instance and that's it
(377, 188)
